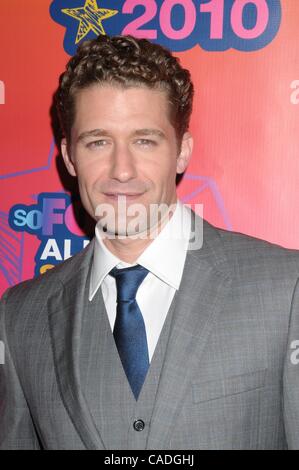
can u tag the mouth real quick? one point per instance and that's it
(128, 196)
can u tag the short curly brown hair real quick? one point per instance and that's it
(125, 61)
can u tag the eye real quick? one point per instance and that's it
(146, 142)
(97, 143)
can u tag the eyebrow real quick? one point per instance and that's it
(155, 132)
(93, 133)
(103, 132)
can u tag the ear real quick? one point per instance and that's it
(67, 158)
(185, 153)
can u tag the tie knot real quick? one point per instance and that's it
(128, 281)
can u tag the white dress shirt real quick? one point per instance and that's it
(164, 257)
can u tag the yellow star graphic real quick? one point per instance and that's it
(90, 17)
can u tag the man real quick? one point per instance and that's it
(147, 342)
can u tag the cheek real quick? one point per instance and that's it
(87, 183)
(89, 173)
(162, 165)
(168, 170)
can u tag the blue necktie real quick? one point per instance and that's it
(129, 329)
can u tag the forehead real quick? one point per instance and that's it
(118, 105)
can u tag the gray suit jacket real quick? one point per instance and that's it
(230, 378)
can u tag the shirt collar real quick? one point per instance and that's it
(164, 257)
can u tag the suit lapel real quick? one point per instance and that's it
(65, 315)
(202, 292)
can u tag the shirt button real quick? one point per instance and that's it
(138, 425)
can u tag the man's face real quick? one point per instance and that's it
(123, 148)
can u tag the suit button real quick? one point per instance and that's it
(138, 425)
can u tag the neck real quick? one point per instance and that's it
(129, 249)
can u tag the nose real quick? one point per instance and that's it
(122, 164)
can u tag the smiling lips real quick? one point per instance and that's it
(127, 195)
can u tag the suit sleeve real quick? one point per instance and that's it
(16, 426)
(291, 377)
